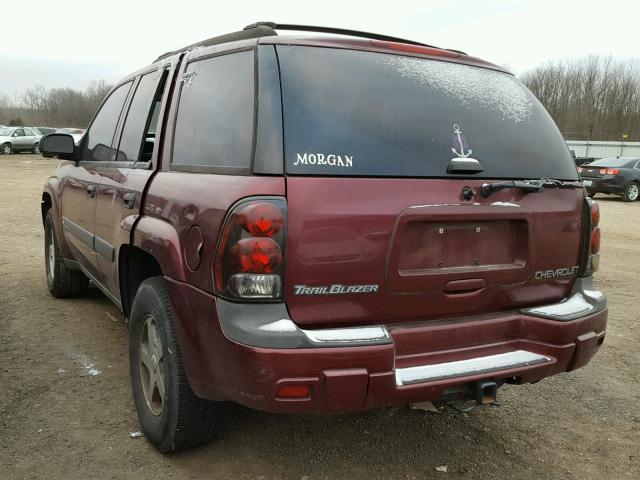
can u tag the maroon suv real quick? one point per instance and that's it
(307, 224)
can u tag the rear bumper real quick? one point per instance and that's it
(355, 371)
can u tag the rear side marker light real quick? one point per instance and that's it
(595, 240)
(591, 258)
(249, 261)
(595, 214)
(294, 391)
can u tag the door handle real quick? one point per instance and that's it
(129, 200)
(91, 191)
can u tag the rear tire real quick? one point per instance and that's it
(170, 414)
(61, 281)
(6, 149)
(631, 193)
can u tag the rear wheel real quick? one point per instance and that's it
(61, 281)
(631, 193)
(170, 414)
(6, 149)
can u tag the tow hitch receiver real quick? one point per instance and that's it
(484, 393)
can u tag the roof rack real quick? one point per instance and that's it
(259, 31)
(337, 31)
(268, 29)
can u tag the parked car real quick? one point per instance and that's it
(617, 176)
(19, 139)
(297, 240)
(76, 133)
(43, 130)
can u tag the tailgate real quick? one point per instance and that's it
(365, 250)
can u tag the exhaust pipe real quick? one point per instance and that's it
(485, 393)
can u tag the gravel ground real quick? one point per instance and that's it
(59, 421)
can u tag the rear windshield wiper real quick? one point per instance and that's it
(528, 185)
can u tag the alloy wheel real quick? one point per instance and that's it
(152, 375)
(633, 192)
(51, 254)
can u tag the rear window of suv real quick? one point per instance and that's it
(358, 113)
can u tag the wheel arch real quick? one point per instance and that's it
(45, 205)
(154, 250)
(134, 266)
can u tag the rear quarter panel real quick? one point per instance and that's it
(177, 202)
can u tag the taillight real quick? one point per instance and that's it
(591, 231)
(612, 171)
(580, 169)
(250, 257)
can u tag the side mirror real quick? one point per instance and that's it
(58, 145)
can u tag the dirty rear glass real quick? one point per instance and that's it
(369, 114)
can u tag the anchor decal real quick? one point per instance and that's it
(461, 141)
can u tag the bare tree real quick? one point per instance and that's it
(594, 98)
(57, 107)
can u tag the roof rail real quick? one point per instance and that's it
(268, 29)
(259, 31)
(340, 31)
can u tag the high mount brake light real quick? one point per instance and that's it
(591, 256)
(405, 47)
(250, 257)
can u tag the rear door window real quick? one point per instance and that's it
(361, 113)
(214, 125)
(142, 119)
(97, 145)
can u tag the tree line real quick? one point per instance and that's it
(594, 98)
(38, 106)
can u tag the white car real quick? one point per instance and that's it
(19, 139)
(76, 133)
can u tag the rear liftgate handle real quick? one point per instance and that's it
(129, 199)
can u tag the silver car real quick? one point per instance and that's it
(19, 139)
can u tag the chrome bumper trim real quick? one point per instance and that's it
(575, 305)
(347, 335)
(472, 366)
(583, 300)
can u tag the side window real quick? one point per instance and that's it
(28, 133)
(97, 145)
(18, 133)
(142, 118)
(214, 125)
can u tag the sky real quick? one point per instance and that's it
(71, 43)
